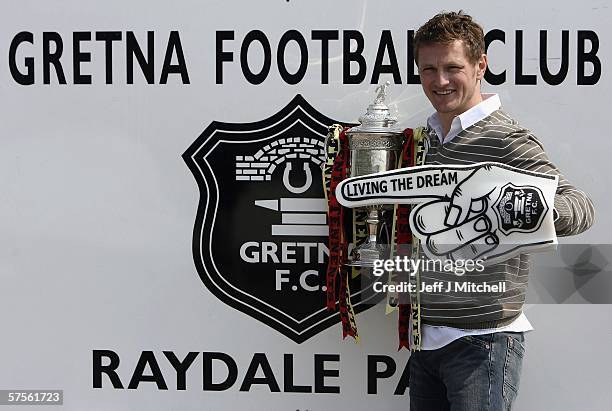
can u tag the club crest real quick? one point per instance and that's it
(260, 235)
(520, 208)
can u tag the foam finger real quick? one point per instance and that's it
(429, 218)
(453, 238)
(404, 186)
(476, 249)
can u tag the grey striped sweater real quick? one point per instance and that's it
(498, 138)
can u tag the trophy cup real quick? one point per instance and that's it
(375, 145)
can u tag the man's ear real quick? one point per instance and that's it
(482, 67)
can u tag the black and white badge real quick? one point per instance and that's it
(260, 234)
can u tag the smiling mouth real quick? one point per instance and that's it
(443, 92)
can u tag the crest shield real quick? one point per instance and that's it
(520, 208)
(260, 235)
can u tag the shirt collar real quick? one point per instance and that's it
(490, 102)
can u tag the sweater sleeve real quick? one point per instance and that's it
(574, 211)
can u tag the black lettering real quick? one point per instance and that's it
(489, 76)
(292, 35)
(255, 78)
(519, 77)
(320, 372)
(259, 361)
(353, 56)
(79, 57)
(132, 49)
(174, 47)
(181, 367)
(222, 56)
(588, 57)
(108, 37)
(413, 78)
(156, 376)
(403, 382)
(374, 374)
(27, 78)
(386, 43)
(232, 371)
(52, 58)
(109, 369)
(325, 36)
(288, 377)
(554, 79)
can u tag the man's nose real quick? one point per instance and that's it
(442, 78)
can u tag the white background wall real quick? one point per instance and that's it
(97, 206)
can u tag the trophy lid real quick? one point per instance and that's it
(378, 118)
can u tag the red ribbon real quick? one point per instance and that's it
(336, 237)
(404, 237)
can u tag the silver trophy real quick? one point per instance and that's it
(375, 145)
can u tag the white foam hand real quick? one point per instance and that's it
(485, 210)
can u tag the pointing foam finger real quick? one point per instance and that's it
(477, 249)
(404, 186)
(453, 238)
(428, 218)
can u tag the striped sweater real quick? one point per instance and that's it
(497, 138)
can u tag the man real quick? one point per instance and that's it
(471, 354)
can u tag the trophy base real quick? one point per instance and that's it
(366, 255)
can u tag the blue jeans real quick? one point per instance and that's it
(473, 373)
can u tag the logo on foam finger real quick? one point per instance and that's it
(520, 209)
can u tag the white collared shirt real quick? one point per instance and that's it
(489, 103)
(434, 337)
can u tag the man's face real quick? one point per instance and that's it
(449, 79)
